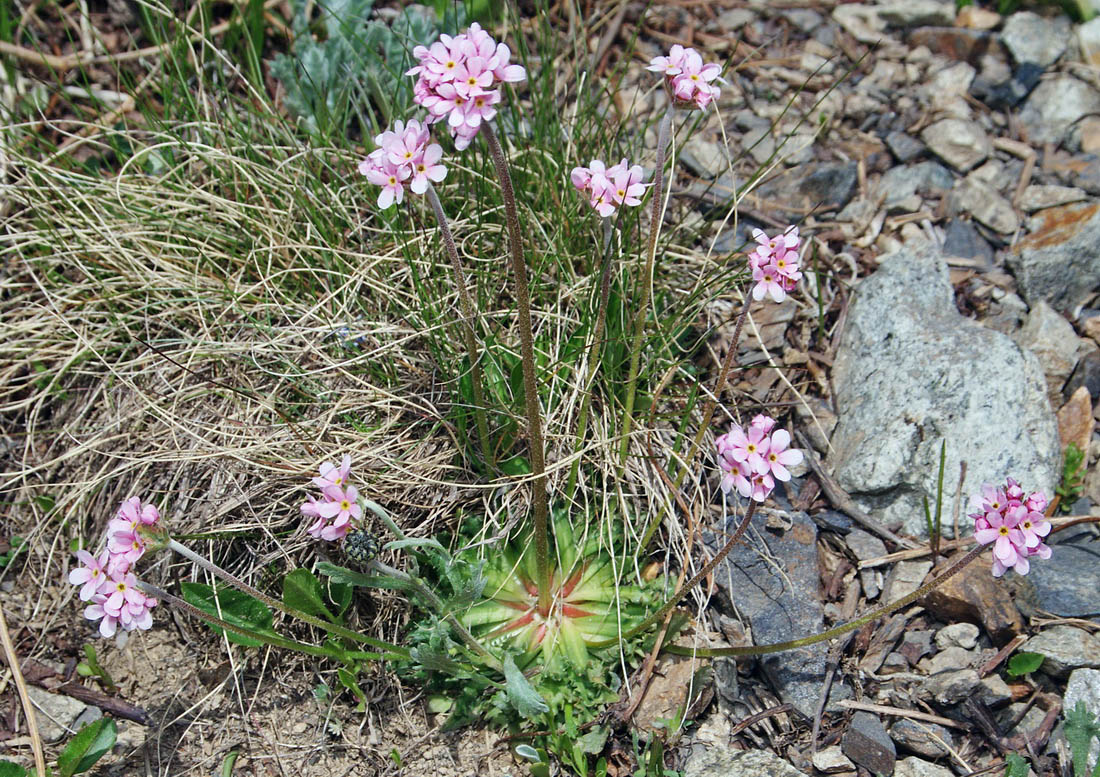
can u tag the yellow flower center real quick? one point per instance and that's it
(345, 505)
(1004, 531)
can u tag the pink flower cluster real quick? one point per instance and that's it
(457, 78)
(609, 188)
(106, 580)
(1014, 522)
(774, 264)
(338, 505)
(404, 157)
(754, 459)
(689, 81)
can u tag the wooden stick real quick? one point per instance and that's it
(24, 697)
(882, 709)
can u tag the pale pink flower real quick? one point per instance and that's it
(126, 547)
(108, 623)
(671, 65)
(331, 475)
(763, 422)
(609, 188)
(735, 471)
(767, 280)
(1033, 526)
(748, 447)
(689, 81)
(758, 487)
(92, 576)
(341, 504)
(1002, 531)
(133, 511)
(780, 455)
(1037, 501)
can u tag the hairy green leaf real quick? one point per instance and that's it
(302, 591)
(1015, 766)
(521, 694)
(235, 607)
(88, 746)
(1081, 728)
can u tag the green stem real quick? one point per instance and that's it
(593, 360)
(646, 280)
(240, 585)
(836, 631)
(467, 326)
(527, 354)
(706, 570)
(380, 511)
(708, 413)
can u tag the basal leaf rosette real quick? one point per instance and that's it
(587, 605)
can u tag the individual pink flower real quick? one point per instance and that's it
(767, 282)
(780, 455)
(1037, 502)
(763, 422)
(427, 169)
(331, 475)
(108, 623)
(92, 576)
(134, 511)
(749, 447)
(1033, 526)
(1002, 531)
(126, 546)
(390, 177)
(757, 487)
(688, 80)
(311, 508)
(672, 65)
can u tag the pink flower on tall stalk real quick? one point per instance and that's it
(333, 515)
(459, 78)
(1013, 522)
(691, 83)
(405, 157)
(775, 264)
(753, 459)
(331, 475)
(609, 188)
(92, 575)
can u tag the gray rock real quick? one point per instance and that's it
(867, 743)
(963, 245)
(704, 157)
(804, 19)
(735, 18)
(1088, 36)
(726, 762)
(899, 183)
(904, 147)
(905, 578)
(1066, 585)
(1037, 197)
(1086, 374)
(994, 691)
(948, 660)
(1066, 649)
(910, 372)
(819, 186)
(985, 204)
(915, 767)
(55, 713)
(1048, 335)
(1060, 260)
(962, 144)
(779, 606)
(1006, 314)
(1032, 38)
(867, 546)
(953, 686)
(1084, 686)
(1030, 721)
(759, 143)
(917, 13)
(1055, 105)
(832, 760)
(963, 635)
(927, 739)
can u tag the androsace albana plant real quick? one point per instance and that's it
(545, 623)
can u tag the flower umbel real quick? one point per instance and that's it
(609, 188)
(335, 513)
(1014, 523)
(405, 156)
(774, 264)
(691, 83)
(754, 459)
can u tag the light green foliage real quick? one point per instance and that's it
(10, 769)
(89, 745)
(16, 544)
(1073, 476)
(345, 61)
(1015, 766)
(1024, 663)
(1081, 728)
(90, 667)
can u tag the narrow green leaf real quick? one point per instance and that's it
(418, 542)
(340, 574)
(235, 607)
(521, 694)
(87, 747)
(302, 591)
(1024, 663)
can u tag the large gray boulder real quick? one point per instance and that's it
(910, 372)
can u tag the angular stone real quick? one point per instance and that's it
(948, 660)
(986, 205)
(958, 43)
(905, 578)
(832, 760)
(1060, 260)
(1055, 105)
(994, 691)
(899, 183)
(963, 242)
(866, 546)
(1066, 649)
(1066, 584)
(975, 595)
(1086, 375)
(952, 687)
(910, 371)
(1037, 197)
(1075, 421)
(917, 13)
(819, 186)
(974, 17)
(778, 606)
(56, 713)
(704, 157)
(962, 144)
(963, 635)
(1048, 335)
(720, 761)
(1084, 686)
(915, 767)
(904, 147)
(1032, 38)
(1088, 134)
(915, 645)
(1088, 36)
(867, 743)
(927, 739)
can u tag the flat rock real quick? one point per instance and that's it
(904, 147)
(917, 13)
(779, 606)
(927, 739)
(975, 595)
(1088, 37)
(910, 371)
(1055, 105)
(867, 743)
(1010, 92)
(1033, 38)
(867, 546)
(962, 635)
(720, 761)
(974, 17)
(985, 204)
(905, 578)
(958, 43)
(1086, 374)
(704, 157)
(994, 691)
(963, 245)
(952, 687)
(1059, 262)
(819, 186)
(1066, 648)
(55, 713)
(1066, 585)
(948, 660)
(1075, 421)
(962, 144)
(1037, 196)
(832, 760)
(1084, 686)
(900, 183)
(1048, 335)
(915, 767)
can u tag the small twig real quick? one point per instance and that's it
(882, 709)
(835, 653)
(989, 666)
(752, 720)
(24, 697)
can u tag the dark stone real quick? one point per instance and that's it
(958, 43)
(1087, 373)
(1010, 93)
(1066, 584)
(818, 186)
(903, 146)
(1085, 173)
(831, 520)
(779, 606)
(963, 240)
(975, 595)
(867, 743)
(927, 739)
(1057, 261)
(915, 645)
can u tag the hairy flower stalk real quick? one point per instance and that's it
(467, 326)
(645, 280)
(527, 354)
